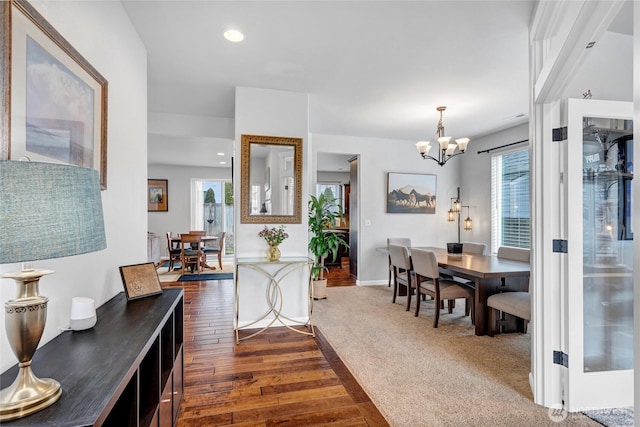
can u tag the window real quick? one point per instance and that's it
(510, 201)
(331, 191)
(212, 208)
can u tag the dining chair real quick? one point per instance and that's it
(191, 252)
(515, 303)
(471, 248)
(429, 282)
(219, 250)
(402, 271)
(198, 233)
(174, 253)
(474, 248)
(402, 241)
(516, 254)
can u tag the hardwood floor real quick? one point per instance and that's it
(276, 378)
(340, 275)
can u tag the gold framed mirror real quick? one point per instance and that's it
(270, 180)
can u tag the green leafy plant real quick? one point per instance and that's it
(323, 213)
(273, 236)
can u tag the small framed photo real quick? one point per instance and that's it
(157, 195)
(140, 280)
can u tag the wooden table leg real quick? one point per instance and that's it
(481, 307)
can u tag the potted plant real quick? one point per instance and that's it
(325, 240)
(273, 236)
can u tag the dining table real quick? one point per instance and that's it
(489, 274)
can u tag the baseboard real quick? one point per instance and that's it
(371, 282)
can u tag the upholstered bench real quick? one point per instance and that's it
(514, 303)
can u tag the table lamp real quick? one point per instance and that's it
(47, 211)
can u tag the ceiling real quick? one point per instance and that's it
(371, 68)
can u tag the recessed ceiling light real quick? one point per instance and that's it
(223, 163)
(220, 154)
(233, 36)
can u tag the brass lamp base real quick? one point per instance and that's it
(27, 394)
(25, 318)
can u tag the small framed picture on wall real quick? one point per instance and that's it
(157, 195)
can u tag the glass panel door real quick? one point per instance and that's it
(599, 315)
(213, 209)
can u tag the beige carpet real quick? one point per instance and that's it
(421, 376)
(172, 276)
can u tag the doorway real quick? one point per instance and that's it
(212, 209)
(335, 177)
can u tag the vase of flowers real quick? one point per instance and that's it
(273, 236)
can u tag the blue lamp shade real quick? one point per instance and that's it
(48, 210)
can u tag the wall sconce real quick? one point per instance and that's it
(453, 214)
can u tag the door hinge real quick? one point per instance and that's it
(559, 134)
(560, 358)
(560, 246)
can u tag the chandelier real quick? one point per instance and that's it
(446, 149)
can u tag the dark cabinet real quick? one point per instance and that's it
(125, 371)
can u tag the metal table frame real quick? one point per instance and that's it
(273, 292)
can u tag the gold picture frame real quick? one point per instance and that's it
(38, 123)
(256, 148)
(157, 195)
(140, 280)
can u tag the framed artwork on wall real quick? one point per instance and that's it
(157, 195)
(56, 101)
(411, 193)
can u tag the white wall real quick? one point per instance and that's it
(377, 158)
(607, 70)
(475, 188)
(178, 217)
(271, 113)
(121, 58)
(333, 177)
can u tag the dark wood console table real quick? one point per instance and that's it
(125, 371)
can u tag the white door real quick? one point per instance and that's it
(598, 316)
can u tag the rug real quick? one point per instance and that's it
(172, 276)
(617, 417)
(205, 276)
(418, 375)
(166, 265)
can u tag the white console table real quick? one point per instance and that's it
(274, 273)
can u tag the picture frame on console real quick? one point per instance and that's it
(56, 101)
(140, 280)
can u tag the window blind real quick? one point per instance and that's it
(511, 213)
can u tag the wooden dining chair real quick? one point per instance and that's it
(191, 252)
(219, 249)
(402, 271)
(174, 253)
(429, 282)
